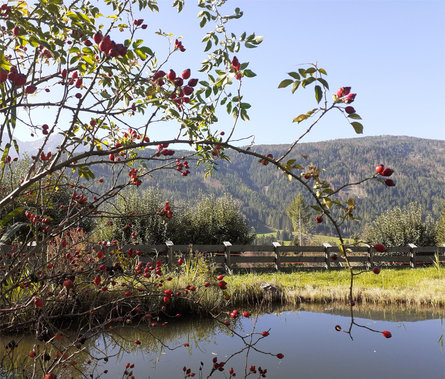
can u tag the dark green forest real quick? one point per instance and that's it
(264, 193)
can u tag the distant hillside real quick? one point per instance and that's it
(264, 192)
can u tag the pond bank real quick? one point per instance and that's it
(420, 287)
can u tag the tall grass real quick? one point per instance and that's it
(416, 287)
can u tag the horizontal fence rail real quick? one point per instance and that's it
(276, 257)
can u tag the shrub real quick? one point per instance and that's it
(401, 226)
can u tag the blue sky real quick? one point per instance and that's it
(392, 54)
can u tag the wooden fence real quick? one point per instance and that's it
(239, 258)
(275, 257)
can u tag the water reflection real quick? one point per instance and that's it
(307, 338)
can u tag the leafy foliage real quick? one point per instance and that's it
(402, 226)
(301, 216)
(136, 217)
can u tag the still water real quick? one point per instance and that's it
(311, 346)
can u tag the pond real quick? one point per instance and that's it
(311, 346)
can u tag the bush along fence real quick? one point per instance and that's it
(276, 257)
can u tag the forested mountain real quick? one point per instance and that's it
(264, 192)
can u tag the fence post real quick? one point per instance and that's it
(370, 254)
(169, 253)
(276, 246)
(327, 258)
(227, 246)
(412, 253)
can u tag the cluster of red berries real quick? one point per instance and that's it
(5, 9)
(78, 198)
(38, 302)
(162, 150)
(235, 314)
(45, 157)
(222, 284)
(264, 161)
(236, 66)
(381, 170)
(188, 372)
(166, 211)
(182, 92)
(180, 167)
(168, 295)
(134, 177)
(179, 46)
(262, 372)
(345, 95)
(8, 159)
(149, 267)
(73, 80)
(16, 78)
(140, 22)
(218, 365)
(216, 150)
(34, 219)
(107, 46)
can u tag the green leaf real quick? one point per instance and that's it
(258, 39)
(137, 43)
(249, 73)
(34, 41)
(318, 93)
(303, 117)
(285, 83)
(294, 75)
(323, 71)
(354, 116)
(327, 202)
(295, 85)
(229, 107)
(318, 209)
(310, 70)
(324, 82)
(357, 127)
(87, 50)
(140, 54)
(307, 81)
(244, 115)
(88, 59)
(300, 118)
(302, 72)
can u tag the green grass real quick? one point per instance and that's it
(417, 287)
(316, 239)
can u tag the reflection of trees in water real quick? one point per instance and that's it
(113, 344)
(116, 344)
